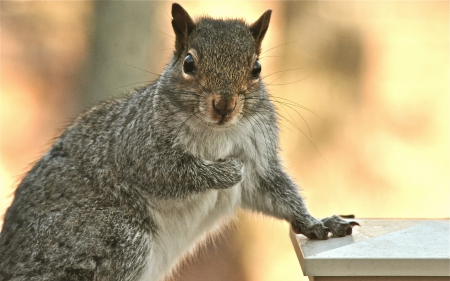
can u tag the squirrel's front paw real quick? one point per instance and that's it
(338, 226)
(314, 229)
(232, 172)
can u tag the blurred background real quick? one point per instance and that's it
(374, 77)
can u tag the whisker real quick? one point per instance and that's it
(287, 103)
(142, 69)
(281, 84)
(276, 78)
(250, 113)
(301, 116)
(201, 85)
(309, 129)
(184, 122)
(259, 125)
(258, 118)
(287, 70)
(293, 103)
(254, 135)
(166, 34)
(293, 124)
(310, 141)
(290, 42)
(148, 81)
(270, 57)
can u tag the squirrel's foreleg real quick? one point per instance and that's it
(275, 194)
(185, 174)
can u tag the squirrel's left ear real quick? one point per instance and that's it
(182, 26)
(259, 29)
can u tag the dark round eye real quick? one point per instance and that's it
(188, 64)
(256, 69)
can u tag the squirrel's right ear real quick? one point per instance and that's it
(182, 26)
(259, 28)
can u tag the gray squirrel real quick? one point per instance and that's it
(135, 183)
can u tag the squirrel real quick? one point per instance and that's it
(135, 183)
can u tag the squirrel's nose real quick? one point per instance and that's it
(224, 107)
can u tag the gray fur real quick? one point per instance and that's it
(136, 182)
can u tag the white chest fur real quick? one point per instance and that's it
(184, 222)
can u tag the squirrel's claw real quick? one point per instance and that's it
(334, 224)
(316, 231)
(338, 226)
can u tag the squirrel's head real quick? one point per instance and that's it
(215, 67)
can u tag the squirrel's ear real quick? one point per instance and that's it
(182, 26)
(259, 29)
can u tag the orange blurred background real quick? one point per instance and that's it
(376, 74)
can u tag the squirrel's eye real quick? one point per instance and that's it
(188, 64)
(256, 69)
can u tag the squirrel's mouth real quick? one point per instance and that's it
(224, 120)
(219, 122)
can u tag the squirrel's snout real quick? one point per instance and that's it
(224, 107)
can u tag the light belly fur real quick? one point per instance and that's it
(191, 220)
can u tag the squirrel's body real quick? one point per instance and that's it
(136, 182)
